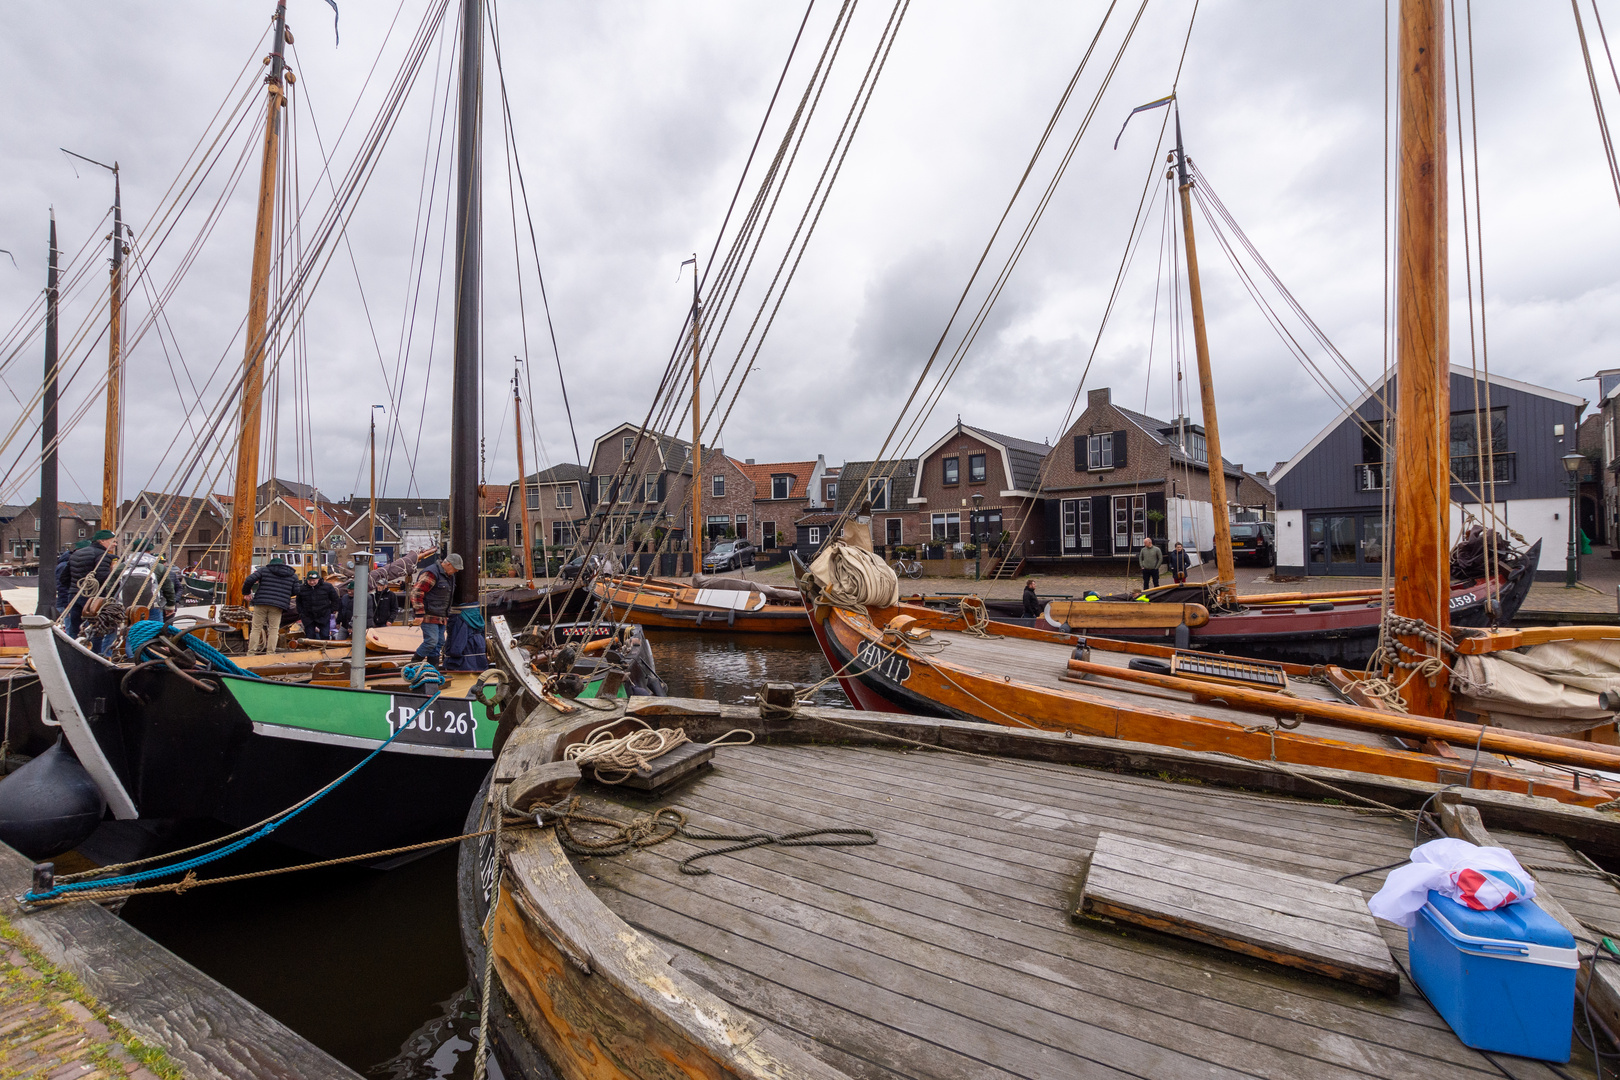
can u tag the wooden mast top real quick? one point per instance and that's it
(244, 505)
(1225, 588)
(1420, 554)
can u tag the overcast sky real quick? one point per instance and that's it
(633, 122)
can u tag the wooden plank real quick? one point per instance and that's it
(1226, 909)
(208, 1029)
(1101, 614)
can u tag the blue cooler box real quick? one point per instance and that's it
(1504, 980)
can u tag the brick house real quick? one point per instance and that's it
(1004, 474)
(19, 533)
(1120, 475)
(879, 488)
(559, 506)
(641, 490)
(783, 492)
(189, 531)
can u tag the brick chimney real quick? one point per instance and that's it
(1098, 398)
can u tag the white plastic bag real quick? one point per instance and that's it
(1483, 878)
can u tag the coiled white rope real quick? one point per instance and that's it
(616, 758)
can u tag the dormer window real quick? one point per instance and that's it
(629, 446)
(878, 492)
(781, 487)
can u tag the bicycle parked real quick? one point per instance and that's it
(908, 567)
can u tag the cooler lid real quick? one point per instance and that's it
(1522, 923)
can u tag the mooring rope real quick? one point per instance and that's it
(617, 758)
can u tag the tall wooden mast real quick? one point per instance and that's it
(1423, 372)
(697, 429)
(244, 504)
(115, 368)
(50, 521)
(1226, 575)
(469, 296)
(527, 543)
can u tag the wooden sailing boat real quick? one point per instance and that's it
(172, 739)
(871, 895)
(967, 669)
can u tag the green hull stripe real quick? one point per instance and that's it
(361, 714)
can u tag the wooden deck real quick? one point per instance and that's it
(947, 949)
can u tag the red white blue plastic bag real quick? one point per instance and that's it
(1483, 878)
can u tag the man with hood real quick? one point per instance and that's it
(142, 582)
(431, 599)
(269, 590)
(317, 603)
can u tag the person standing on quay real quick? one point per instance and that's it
(269, 590)
(1180, 562)
(1150, 558)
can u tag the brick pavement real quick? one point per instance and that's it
(49, 1030)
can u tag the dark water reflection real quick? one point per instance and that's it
(368, 965)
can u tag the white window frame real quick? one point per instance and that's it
(812, 534)
(1100, 451)
(900, 533)
(877, 491)
(717, 486)
(531, 496)
(740, 524)
(143, 511)
(565, 498)
(940, 528)
(832, 493)
(627, 447)
(649, 489)
(562, 533)
(260, 528)
(787, 487)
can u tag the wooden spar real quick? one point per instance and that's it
(1226, 574)
(527, 541)
(50, 520)
(469, 299)
(115, 368)
(244, 505)
(697, 445)
(1423, 373)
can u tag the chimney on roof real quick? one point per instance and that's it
(749, 461)
(1098, 398)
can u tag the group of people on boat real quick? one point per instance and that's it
(142, 580)
(325, 605)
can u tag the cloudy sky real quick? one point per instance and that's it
(633, 121)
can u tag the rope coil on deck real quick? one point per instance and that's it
(616, 758)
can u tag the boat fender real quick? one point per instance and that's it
(1320, 607)
(1150, 663)
(731, 616)
(1183, 635)
(50, 805)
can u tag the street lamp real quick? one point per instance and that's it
(978, 501)
(1572, 466)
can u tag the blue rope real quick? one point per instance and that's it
(143, 633)
(228, 849)
(422, 673)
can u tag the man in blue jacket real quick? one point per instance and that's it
(269, 590)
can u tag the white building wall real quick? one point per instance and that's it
(1546, 520)
(1191, 524)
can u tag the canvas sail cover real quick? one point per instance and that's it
(853, 577)
(1551, 688)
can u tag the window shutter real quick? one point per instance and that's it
(1119, 450)
(1079, 453)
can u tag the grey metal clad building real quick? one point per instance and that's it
(1330, 494)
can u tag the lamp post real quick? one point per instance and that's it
(978, 501)
(1572, 466)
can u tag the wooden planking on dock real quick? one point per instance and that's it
(1283, 918)
(208, 1029)
(946, 949)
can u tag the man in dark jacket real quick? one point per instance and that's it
(317, 603)
(269, 590)
(431, 598)
(94, 560)
(387, 608)
(346, 610)
(1032, 603)
(1179, 562)
(64, 594)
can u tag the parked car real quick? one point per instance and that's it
(730, 555)
(1255, 540)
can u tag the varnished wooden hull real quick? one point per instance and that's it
(671, 609)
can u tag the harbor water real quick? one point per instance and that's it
(368, 964)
